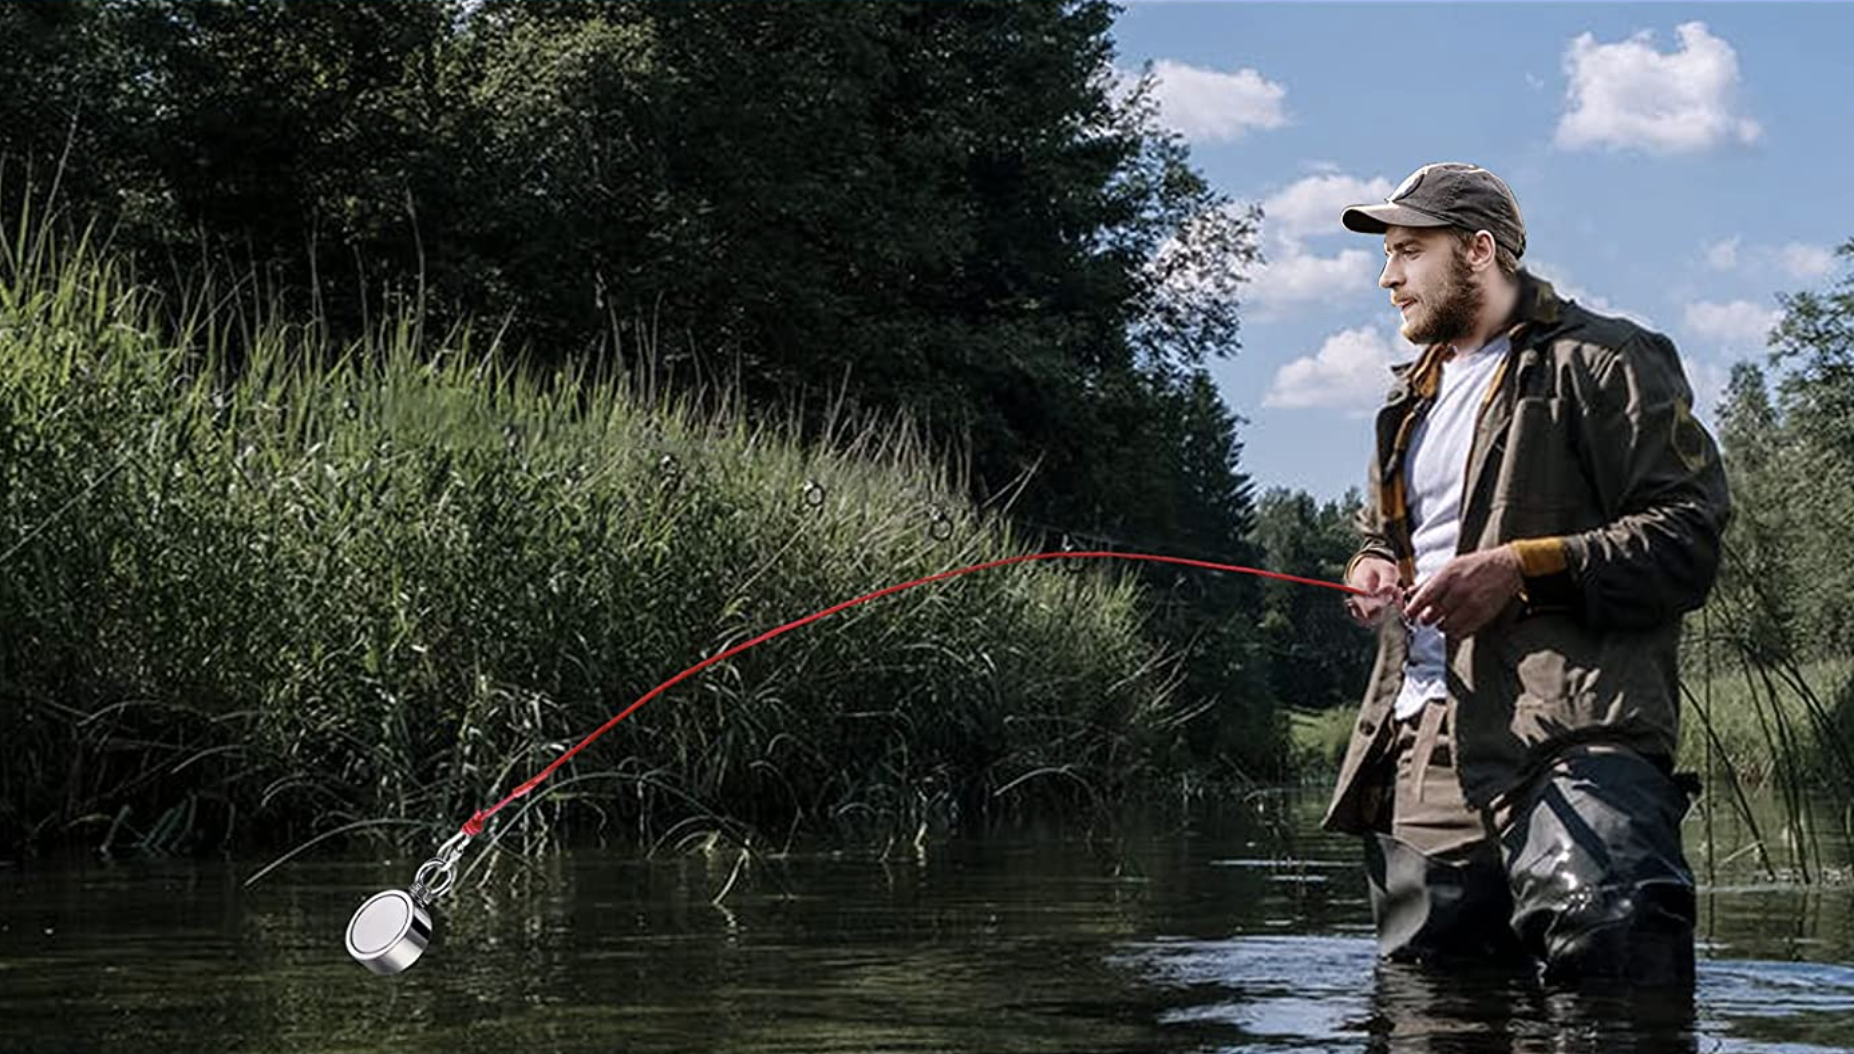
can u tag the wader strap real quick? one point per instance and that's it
(1430, 730)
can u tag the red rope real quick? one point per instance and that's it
(474, 826)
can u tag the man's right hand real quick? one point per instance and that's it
(1383, 594)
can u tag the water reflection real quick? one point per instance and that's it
(1419, 1012)
(1242, 935)
(1278, 994)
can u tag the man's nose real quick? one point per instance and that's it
(1386, 280)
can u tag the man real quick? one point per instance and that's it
(1542, 509)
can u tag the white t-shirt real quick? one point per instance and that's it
(1435, 466)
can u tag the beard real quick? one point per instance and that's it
(1450, 312)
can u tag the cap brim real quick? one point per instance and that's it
(1376, 219)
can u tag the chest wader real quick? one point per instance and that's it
(1579, 869)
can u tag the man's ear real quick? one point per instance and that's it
(1481, 250)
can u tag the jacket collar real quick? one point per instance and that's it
(1537, 307)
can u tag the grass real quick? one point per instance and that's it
(1742, 726)
(1317, 739)
(1762, 723)
(1771, 740)
(256, 588)
(1725, 718)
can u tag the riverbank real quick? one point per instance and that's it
(256, 588)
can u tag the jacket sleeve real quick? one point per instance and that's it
(1660, 483)
(1369, 523)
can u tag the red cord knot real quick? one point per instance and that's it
(474, 825)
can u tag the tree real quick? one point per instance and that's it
(1789, 452)
(1318, 658)
(955, 212)
(1795, 487)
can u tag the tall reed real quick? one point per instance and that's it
(1767, 722)
(254, 587)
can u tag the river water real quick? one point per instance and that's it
(1240, 931)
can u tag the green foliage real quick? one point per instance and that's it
(1318, 739)
(256, 602)
(947, 208)
(1318, 658)
(825, 212)
(1791, 460)
(1764, 737)
(1772, 701)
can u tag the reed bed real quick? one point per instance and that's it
(255, 588)
(1772, 733)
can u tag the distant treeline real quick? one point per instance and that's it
(1788, 432)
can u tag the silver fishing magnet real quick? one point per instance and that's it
(392, 929)
(389, 932)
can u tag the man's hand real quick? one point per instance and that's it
(1378, 578)
(1468, 592)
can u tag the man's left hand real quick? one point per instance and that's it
(1468, 592)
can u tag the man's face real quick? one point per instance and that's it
(1431, 284)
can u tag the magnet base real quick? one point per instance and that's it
(389, 932)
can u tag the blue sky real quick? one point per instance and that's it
(1680, 164)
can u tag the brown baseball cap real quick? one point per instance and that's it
(1447, 194)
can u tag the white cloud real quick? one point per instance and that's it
(1627, 95)
(1806, 261)
(1350, 372)
(1209, 105)
(1309, 208)
(1298, 278)
(1723, 255)
(1741, 324)
(1795, 261)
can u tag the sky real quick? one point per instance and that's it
(1678, 164)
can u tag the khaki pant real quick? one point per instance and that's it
(1428, 812)
(1580, 869)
